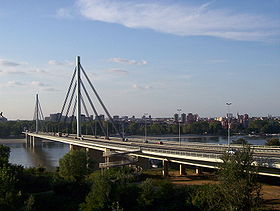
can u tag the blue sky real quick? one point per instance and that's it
(142, 56)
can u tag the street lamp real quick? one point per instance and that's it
(179, 110)
(145, 126)
(228, 122)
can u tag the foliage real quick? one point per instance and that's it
(240, 141)
(273, 142)
(264, 126)
(208, 197)
(239, 181)
(4, 154)
(10, 196)
(73, 165)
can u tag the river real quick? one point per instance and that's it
(47, 153)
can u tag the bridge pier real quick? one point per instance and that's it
(95, 157)
(182, 170)
(165, 168)
(32, 141)
(75, 147)
(198, 170)
(144, 163)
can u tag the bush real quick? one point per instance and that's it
(240, 141)
(273, 142)
(73, 166)
(4, 154)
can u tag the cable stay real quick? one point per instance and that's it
(78, 87)
(38, 116)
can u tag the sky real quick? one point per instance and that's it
(142, 56)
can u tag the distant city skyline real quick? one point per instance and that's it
(143, 56)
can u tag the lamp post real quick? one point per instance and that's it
(179, 111)
(228, 122)
(145, 126)
(123, 129)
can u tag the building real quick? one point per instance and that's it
(101, 117)
(183, 118)
(55, 117)
(176, 117)
(190, 118)
(3, 119)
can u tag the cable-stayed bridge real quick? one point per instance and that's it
(120, 151)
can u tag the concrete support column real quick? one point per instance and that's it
(27, 139)
(144, 163)
(33, 141)
(71, 147)
(75, 147)
(198, 170)
(107, 158)
(165, 168)
(182, 170)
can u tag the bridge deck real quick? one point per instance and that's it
(202, 155)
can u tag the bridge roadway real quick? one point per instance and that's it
(196, 154)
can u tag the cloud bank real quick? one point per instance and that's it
(9, 63)
(127, 61)
(182, 19)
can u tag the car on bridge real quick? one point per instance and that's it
(231, 151)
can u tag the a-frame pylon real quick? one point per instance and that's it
(77, 89)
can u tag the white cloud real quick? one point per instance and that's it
(38, 84)
(39, 71)
(58, 63)
(12, 72)
(50, 89)
(216, 61)
(182, 19)
(9, 63)
(14, 84)
(64, 13)
(136, 86)
(187, 76)
(118, 71)
(127, 61)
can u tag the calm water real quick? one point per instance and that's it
(218, 139)
(47, 154)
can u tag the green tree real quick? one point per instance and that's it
(4, 154)
(240, 141)
(273, 142)
(147, 194)
(239, 185)
(73, 165)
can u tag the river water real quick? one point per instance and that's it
(47, 154)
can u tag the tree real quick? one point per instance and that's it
(273, 142)
(240, 141)
(147, 194)
(73, 165)
(239, 186)
(4, 154)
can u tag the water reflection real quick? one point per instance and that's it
(44, 153)
(217, 139)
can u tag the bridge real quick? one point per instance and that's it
(118, 151)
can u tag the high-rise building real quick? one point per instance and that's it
(190, 118)
(176, 117)
(183, 118)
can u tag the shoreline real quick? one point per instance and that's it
(12, 141)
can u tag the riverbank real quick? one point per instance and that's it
(12, 140)
(270, 191)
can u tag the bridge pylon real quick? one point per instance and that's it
(38, 113)
(75, 91)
